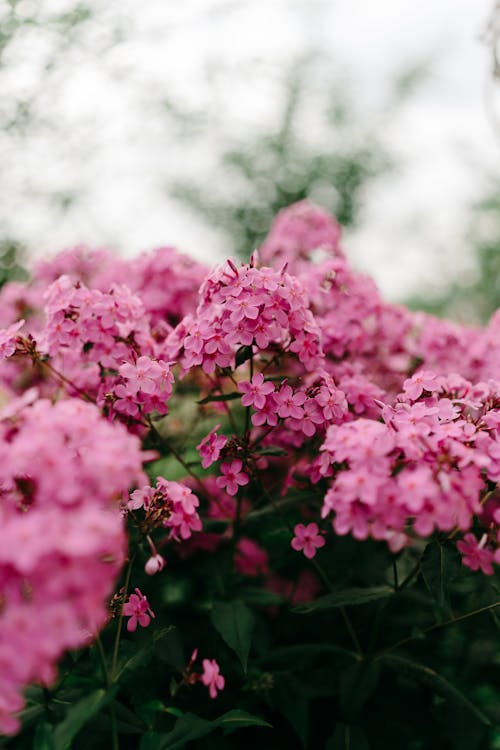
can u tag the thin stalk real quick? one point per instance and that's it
(114, 660)
(437, 626)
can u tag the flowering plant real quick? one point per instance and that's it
(263, 465)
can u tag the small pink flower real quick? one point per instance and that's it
(255, 391)
(307, 539)
(232, 476)
(476, 555)
(211, 677)
(138, 609)
(250, 559)
(211, 446)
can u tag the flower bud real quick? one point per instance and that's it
(155, 564)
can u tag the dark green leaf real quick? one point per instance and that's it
(357, 683)
(77, 716)
(436, 682)
(188, 727)
(260, 597)
(348, 597)
(243, 354)
(42, 739)
(347, 737)
(237, 719)
(234, 622)
(220, 397)
(440, 564)
(291, 700)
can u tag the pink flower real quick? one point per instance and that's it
(289, 403)
(8, 337)
(138, 610)
(255, 391)
(250, 558)
(307, 539)
(211, 677)
(232, 476)
(475, 555)
(211, 446)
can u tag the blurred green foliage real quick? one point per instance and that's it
(474, 299)
(259, 175)
(11, 262)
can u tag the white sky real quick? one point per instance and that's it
(100, 136)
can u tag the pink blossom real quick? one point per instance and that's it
(211, 446)
(232, 476)
(255, 391)
(289, 404)
(137, 609)
(8, 338)
(307, 539)
(250, 559)
(475, 554)
(212, 677)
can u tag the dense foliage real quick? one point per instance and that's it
(254, 504)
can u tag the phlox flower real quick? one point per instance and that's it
(232, 476)
(307, 539)
(211, 446)
(255, 391)
(211, 677)
(475, 555)
(138, 610)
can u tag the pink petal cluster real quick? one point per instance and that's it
(211, 677)
(307, 539)
(211, 446)
(232, 477)
(246, 306)
(137, 609)
(62, 540)
(172, 505)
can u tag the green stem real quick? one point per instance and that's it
(114, 660)
(437, 626)
(322, 574)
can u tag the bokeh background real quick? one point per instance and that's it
(132, 125)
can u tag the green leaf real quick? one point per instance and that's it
(348, 597)
(191, 727)
(237, 719)
(220, 397)
(291, 701)
(357, 684)
(436, 682)
(78, 715)
(234, 622)
(304, 650)
(260, 597)
(187, 728)
(42, 739)
(243, 354)
(348, 737)
(440, 564)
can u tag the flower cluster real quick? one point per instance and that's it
(62, 539)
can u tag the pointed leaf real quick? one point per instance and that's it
(347, 737)
(237, 719)
(234, 622)
(348, 597)
(77, 716)
(436, 682)
(440, 564)
(220, 397)
(292, 702)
